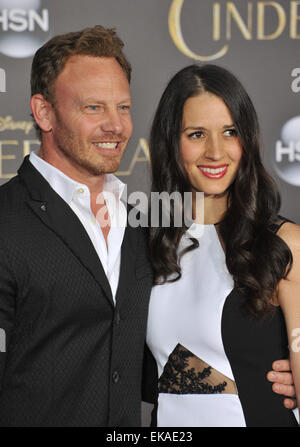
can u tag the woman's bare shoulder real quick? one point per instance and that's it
(290, 233)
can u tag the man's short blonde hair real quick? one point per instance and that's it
(50, 60)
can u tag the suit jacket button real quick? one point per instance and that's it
(116, 377)
(118, 318)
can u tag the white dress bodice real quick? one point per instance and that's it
(189, 312)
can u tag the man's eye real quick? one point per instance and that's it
(92, 108)
(124, 107)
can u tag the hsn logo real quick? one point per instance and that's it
(287, 152)
(19, 20)
(23, 27)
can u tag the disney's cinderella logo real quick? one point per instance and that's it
(228, 13)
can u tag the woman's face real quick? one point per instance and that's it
(210, 148)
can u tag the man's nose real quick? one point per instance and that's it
(112, 122)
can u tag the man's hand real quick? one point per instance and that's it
(282, 379)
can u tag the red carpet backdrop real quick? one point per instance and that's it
(259, 41)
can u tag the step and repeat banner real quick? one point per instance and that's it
(259, 41)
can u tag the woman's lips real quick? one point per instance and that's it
(213, 172)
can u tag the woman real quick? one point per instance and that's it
(222, 301)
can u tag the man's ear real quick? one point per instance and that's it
(42, 112)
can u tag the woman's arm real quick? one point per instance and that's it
(289, 300)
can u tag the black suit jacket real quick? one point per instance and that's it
(72, 358)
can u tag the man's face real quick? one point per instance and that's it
(91, 124)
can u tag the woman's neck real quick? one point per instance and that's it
(214, 209)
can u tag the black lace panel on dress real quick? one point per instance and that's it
(185, 373)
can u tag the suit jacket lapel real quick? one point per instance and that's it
(58, 216)
(128, 263)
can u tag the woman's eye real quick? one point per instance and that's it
(230, 133)
(196, 135)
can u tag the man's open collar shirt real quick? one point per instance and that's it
(77, 196)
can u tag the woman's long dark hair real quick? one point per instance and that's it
(256, 257)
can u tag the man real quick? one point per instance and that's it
(74, 288)
(73, 298)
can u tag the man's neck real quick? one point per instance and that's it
(93, 182)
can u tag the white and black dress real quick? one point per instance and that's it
(212, 356)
